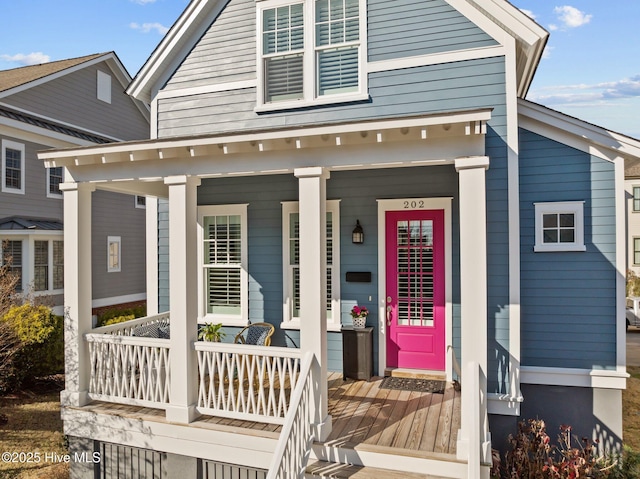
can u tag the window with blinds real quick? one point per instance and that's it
(41, 265)
(334, 52)
(283, 48)
(337, 46)
(223, 264)
(291, 242)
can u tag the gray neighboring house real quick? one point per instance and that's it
(73, 102)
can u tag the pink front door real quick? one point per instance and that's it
(415, 309)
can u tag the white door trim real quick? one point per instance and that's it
(409, 204)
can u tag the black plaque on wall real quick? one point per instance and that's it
(359, 276)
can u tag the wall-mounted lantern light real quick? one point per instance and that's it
(357, 237)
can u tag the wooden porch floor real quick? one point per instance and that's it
(363, 415)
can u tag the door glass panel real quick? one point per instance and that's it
(415, 273)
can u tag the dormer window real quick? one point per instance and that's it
(311, 52)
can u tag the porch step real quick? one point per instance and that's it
(415, 374)
(339, 471)
(389, 460)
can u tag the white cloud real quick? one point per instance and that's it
(147, 27)
(547, 52)
(34, 58)
(571, 17)
(143, 2)
(598, 93)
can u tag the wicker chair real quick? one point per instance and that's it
(256, 334)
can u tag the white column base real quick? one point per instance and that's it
(462, 448)
(74, 398)
(321, 431)
(181, 414)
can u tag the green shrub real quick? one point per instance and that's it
(41, 342)
(114, 316)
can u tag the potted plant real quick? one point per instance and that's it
(359, 315)
(211, 332)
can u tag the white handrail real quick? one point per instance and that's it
(294, 446)
(240, 381)
(126, 327)
(128, 369)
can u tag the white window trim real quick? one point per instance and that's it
(309, 67)
(117, 240)
(49, 194)
(289, 322)
(14, 146)
(28, 260)
(226, 320)
(633, 187)
(633, 250)
(574, 207)
(103, 87)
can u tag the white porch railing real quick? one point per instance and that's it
(245, 382)
(127, 369)
(293, 449)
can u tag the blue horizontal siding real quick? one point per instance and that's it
(568, 299)
(412, 91)
(406, 28)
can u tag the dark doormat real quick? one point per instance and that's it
(411, 384)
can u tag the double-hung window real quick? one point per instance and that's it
(291, 264)
(55, 176)
(312, 51)
(636, 199)
(223, 259)
(13, 164)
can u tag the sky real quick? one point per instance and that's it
(590, 69)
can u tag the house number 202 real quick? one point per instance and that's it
(413, 204)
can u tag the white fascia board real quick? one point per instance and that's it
(577, 133)
(175, 45)
(54, 76)
(587, 378)
(225, 444)
(125, 149)
(531, 36)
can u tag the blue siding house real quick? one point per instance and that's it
(310, 156)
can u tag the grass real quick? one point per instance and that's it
(33, 425)
(631, 409)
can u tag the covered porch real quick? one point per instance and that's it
(189, 379)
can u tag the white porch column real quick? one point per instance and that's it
(77, 291)
(473, 304)
(183, 296)
(312, 198)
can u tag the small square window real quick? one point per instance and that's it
(559, 226)
(141, 201)
(114, 251)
